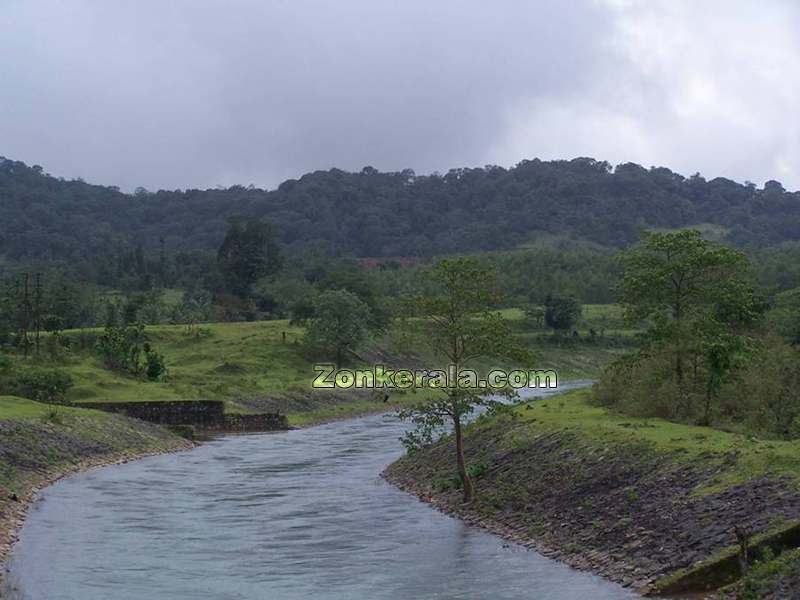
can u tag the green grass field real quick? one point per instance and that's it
(12, 407)
(240, 361)
(214, 361)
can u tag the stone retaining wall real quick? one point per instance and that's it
(203, 414)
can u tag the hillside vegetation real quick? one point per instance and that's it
(264, 365)
(392, 214)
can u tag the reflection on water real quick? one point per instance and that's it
(299, 514)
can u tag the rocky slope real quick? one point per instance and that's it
(637, 508)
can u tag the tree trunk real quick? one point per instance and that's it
(466, 480)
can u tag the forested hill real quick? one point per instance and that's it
(391, 214)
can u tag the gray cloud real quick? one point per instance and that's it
(195, 94)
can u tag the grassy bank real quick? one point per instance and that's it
(210, 361)
(40, 443)
(253, 367)
(261, 366)
(638, 501)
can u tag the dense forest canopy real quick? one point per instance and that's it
(393, 214)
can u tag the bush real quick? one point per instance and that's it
(639, 385)
(767, 398)
(763, 396)
(123, 348)
(53, 416)
(155, 369)
(43, 385)
(561, 314)
(120, 347)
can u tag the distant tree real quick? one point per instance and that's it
(534, 315)
(348, 276)
(339, 324)
(461, 328)
(561, 313)
(301, 310)
(248, 253)
(144, 307)
(194, 308)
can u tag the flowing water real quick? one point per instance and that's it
(297, 514)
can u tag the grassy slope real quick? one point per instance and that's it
(84, 433)
(236, 361)
(691, 444)
(633, 499)
(216, 361)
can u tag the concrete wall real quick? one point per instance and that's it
(203, 414)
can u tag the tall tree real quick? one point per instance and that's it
(247, 253)
(561, 313)
(693, 292)
(462, 328)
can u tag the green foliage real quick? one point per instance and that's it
(53, 416)
(534, 315)
(461, 328)
(674, 275)
(154, 368)
(784, 317)
(194, 308)
(43, 385)
(247, 253)
(766, 398)
(346, 213)
(528, 275)
(120, 347)
(694, 295)
(123, 348)
(339, 325)
(561, 314)
(288, 295)
(453, 482)
(346, 275)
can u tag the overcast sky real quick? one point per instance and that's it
(197, 93)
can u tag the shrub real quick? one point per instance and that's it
(155, 369)
(120, 347)
(43, 385)
(767, 397)
(639, 385)
(53, 416)
(123, 348)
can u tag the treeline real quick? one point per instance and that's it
(197, 287)
(375, 214)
